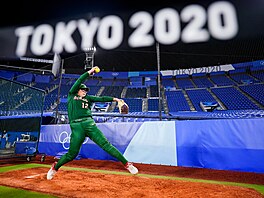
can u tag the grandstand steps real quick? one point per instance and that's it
(123, 93)
(144, 104)
(249, 97)
(112, 107)
(194, 85)
(52, 88)
(18, 91)
(211, 81)
(231, 79)
(100, 91)
(217, 99)
(21, 103)
(176, 84)
(255, 78)
(164, 101)
(53, 106)
(188, 100)
(148, 94)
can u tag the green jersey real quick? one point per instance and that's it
(80, 107)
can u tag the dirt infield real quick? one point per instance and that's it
(114, 181)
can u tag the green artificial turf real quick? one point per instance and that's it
(8, 192)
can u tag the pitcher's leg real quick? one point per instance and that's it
(77, 138)
(98, 137)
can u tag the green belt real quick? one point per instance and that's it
(81, 119)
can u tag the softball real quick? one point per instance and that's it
(97, 69)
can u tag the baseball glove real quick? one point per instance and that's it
(123, 107)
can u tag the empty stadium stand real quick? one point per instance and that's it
(221, 79)
(199, 95)
(235, 90)
(176, 101)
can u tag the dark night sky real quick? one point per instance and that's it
(29, 11)
(248, 45)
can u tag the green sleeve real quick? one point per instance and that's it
(79, 81)
(101, 99)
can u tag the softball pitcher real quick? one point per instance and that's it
(82, 125)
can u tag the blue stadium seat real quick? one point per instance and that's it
(233, 99)
(176, 101)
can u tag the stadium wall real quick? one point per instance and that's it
(224, 144)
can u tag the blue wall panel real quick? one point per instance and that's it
(224, 144)
(232, 144)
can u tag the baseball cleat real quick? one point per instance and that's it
(52, 171)
(131, 168)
